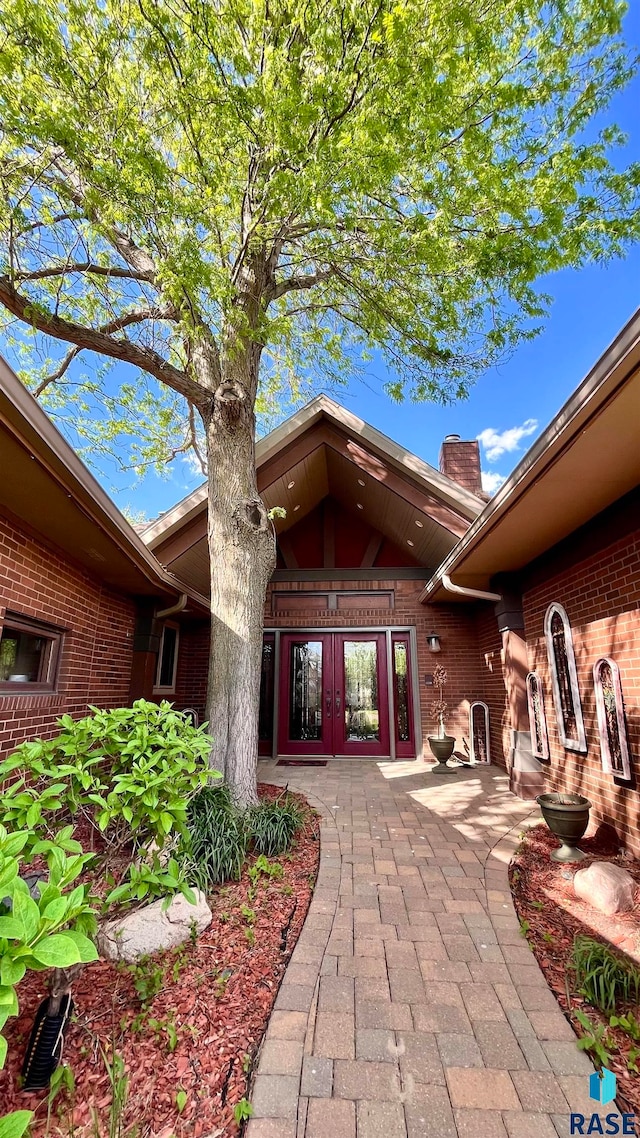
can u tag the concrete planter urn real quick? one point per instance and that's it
(441, 744)
(442, 747)
(567, 816)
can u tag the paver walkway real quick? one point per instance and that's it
(412, 1007)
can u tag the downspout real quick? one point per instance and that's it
(476, 594)
(179, 606)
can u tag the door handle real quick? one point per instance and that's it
(328, 698)
(337, 703)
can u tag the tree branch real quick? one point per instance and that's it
(297, 284)
(97, 340)
(83, 267)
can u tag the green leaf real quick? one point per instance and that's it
(56, 910)
(27, 912)
(3, 1051)
(57, 951)
(11, 971)
(11, 928)
(86, 947)
(15, 1125)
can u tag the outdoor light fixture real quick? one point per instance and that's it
(433, 642)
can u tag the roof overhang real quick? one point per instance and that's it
(586, 459)
(325, 451)
(47, 489)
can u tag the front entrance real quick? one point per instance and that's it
(342, 693)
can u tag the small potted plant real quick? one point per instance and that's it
(441, 744)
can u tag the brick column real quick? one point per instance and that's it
(146, 645)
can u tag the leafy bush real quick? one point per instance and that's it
(217, 838)
(130, 771)
(603, 977)
(52, 932)
(272, 825)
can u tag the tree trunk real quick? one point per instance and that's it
(242, 554)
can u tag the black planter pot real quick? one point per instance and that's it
(442, 747)
(567, 816)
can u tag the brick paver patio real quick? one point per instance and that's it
(412, 1006)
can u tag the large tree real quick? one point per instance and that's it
(223, 193)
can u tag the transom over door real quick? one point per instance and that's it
(334, 695)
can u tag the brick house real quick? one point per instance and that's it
(386, 566)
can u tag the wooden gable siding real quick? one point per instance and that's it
(331, 537)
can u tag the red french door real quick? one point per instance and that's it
(334, 695)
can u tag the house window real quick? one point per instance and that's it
(537, 717)
(564, 677)
(29, 654)
(167, 659)
(612, 726)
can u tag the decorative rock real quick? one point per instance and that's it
(152, 930)
(606, 887)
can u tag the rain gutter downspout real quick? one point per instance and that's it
(179, 606)
(476, 594)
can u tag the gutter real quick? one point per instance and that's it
(179, 606)
(476, 594)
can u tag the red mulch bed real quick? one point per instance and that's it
(218, 993)
(535, 879)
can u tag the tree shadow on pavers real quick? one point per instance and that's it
(476, 795)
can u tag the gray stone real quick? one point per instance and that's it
(151, 930)
(606, 887)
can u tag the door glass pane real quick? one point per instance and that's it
(265, 720)
(401, 682)
(305, 690)
(361, 714)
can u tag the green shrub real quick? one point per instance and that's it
(603, 977)
(217, 840)
(52, 932)
(272, 825)
(131, 771)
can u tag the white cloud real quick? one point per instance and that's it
(492, 481)
(497, 443)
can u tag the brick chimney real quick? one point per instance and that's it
(460, 461)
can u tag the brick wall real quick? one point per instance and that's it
(95, 665)
(601, 595)
(193, 667)
(455, 625)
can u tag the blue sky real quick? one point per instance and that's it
(511, 404)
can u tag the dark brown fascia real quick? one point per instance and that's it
(32, 428)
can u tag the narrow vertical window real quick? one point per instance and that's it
(267, 688)
(612, 726)
(167, 660)
(564, 678)
(479, 732)
(537, 717)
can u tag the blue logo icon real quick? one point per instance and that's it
(602, 1086)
